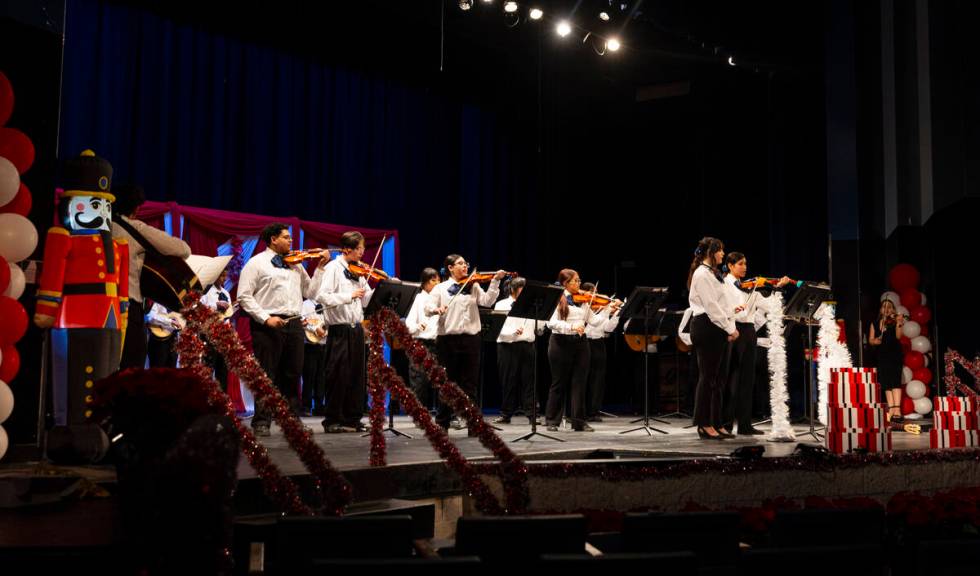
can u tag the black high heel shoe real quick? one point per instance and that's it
(705, 436)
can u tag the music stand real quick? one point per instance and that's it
(491, 323)
(801, 308)
(641, 308)
(668, 322)
(398, 296)
(537, 301)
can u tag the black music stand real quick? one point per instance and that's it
(668, 322)
(641, 308)
(537, 301)
(801, 308)
(398, 296)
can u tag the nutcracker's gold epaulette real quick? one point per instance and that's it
(58, 230)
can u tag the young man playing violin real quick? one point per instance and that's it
(344, 294)
(271, 291)
(457, 302)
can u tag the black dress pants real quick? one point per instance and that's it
(459, 354)
(280, 353)
(345, 375)
(711, 346)
(515, 363)
(569, 360)
(741, 378)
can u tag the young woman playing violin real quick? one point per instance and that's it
(596, 335)
(886, 334)
(344, 295)
(457, 302)
(568, 354)
(712, 331)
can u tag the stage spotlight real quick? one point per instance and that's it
(536, 14)
(612, 44)
(604, 16)
(564, 28)
(510, 7)
(465, 5)
(731, 60)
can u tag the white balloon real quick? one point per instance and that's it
(915, 389)
(906, 374)
(17, 280)
(922, 297)
(925, 360)
(3, 442)
(9, 181)
(911, 329)
(921, 344)
(902, 310)
(6, 401)
(923, 405)
(18, 237)
(893, 296)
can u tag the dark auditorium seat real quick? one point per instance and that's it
(949, 557)
(300, 540)
(679, 563)
(864, 560)
(453, 566)
(513, 539)
(712, 536)
(828, 527)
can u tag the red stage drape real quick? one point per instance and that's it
(205, 229)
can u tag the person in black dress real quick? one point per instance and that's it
(885, 335)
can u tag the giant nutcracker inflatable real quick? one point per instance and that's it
(82, 296)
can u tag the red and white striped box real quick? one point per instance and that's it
(954, 438)
(853, 394)
(853, 374)
(868, 418)
(954, 404)
(952, 420)
(840, 441)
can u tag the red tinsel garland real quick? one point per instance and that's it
(953, 382)
(333, 489)
(382, 377)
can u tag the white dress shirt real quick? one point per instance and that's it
(167, 245)
(683, 332)
(508, 333)
(737, 297)
(708, 296)
(161, 316)
(264, 289)
(316, 321)
(604, 329)
(419, 324)
(213, 296)
(580, 315)
(463, 315)
(339, 306)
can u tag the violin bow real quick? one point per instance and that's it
(461, 288)
(378, 253)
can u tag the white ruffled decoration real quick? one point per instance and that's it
(832, 354)
(778, 395)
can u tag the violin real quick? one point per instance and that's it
(365, 271)
(762, 282)
(597, 301)
(297, 256)
(483, 277)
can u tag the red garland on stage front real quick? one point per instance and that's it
(333, 489)
(381, 377)
(953, 382)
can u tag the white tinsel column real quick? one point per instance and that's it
(833, 354)
(778, 395)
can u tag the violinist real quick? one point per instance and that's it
(596, 335)
(423, 328)
(515, 359)
(741, 370)
(457, 302)
(885, 335)
(218, 299)
(344, 295)
(271, 291)
(568, 354)
(712, 331)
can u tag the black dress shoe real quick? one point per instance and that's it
(552, 427)
(705, 436)
(594, 419)
(584, 428)
(749, 431)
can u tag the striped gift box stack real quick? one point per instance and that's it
(955, 422)
(856, 417)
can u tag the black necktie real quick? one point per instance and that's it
(570, 300)
(455, 288)
(278, 262)
(350, 275)
(222, 297)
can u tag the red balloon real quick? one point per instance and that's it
(6, 99)
(906, 343)
(11, 363)
(923, 329)
(910, 298)
(908, 405)
(21, 204)
(16, 147)
(4, 274)
(923, 375)
(14, 316)
(914, 360)
(903, 276)
(921, 314)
